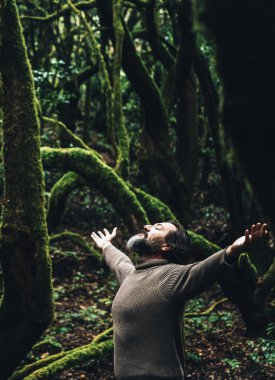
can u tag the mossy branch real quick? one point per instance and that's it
(58, 197)
(207, 311)
(98, 174)
(82, 355)
(78, 240)
(76, 140)
(155, 209)
(40, 367)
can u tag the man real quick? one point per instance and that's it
(148, 307)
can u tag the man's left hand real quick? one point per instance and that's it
(240, 245)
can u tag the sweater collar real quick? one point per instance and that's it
(151, 263)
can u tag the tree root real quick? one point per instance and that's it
(207, 311)
(48, 367)
(77, 239)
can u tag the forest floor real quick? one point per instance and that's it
(216, 345)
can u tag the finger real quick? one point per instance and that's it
(264, 229)
(94, 237)
(101, 234)
(107, 233)
(258, 229)
(246, 235)
(113, 234)
(253, 231)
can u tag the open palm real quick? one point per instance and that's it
(257, 232)
(102, 238)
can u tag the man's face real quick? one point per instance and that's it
(151, 240)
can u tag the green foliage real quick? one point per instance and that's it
(271, 330)
(233, 363)
(215, 321)
(262, 351)
(50, 85)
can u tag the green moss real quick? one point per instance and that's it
(202, 247)
(41, 366)
(58, 197)
(77, 239)
(76, 141)
(156, 210)
(27, 307)
(102, 176)
(76, 357)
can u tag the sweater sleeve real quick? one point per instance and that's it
(118, 262)
(183, 282)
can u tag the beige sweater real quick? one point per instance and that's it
(148, 309)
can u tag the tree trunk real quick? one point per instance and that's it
(246, 65)
(26, 308)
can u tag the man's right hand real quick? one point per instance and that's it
(102, 241)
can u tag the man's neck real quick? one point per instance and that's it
(143, 259)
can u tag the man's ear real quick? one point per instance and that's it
(165, 247)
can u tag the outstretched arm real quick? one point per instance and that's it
(117, 261)
(187, 281)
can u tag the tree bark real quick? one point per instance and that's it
(26, 308)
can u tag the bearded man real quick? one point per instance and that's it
(148, 308)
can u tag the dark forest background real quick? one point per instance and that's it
(123, 113)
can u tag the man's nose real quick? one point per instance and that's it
(147, 227)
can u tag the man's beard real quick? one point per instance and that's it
(142, 246)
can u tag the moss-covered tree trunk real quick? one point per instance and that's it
(26, 308)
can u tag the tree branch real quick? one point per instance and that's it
(207, 311)
(154, 39)
(78, 240)
(98, 174)
(32, 369)
(82, 5)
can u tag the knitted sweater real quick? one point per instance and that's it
(148, 309)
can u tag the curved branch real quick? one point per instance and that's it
(207, 311)
(94, 351)
(78, 240)
(58, 197)
(155, 209)
(90, 167)
(77, 141)
(43, 363)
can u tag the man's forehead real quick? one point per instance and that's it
(168, 226)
